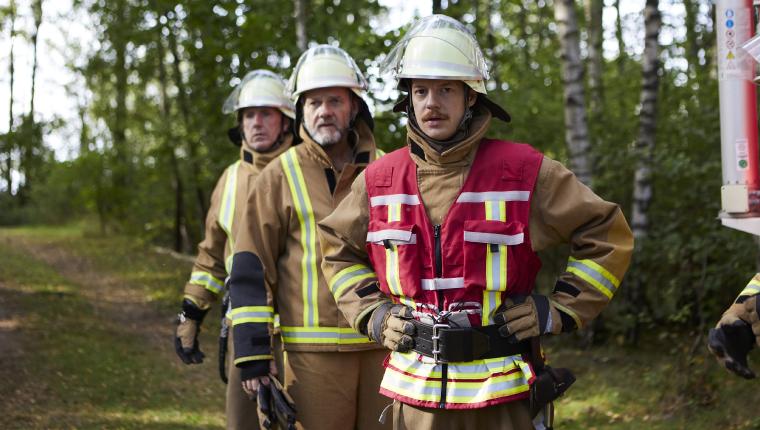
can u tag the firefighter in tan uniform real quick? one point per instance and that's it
(432, 253)
(264, 115)
(331, 371)
(738, 331)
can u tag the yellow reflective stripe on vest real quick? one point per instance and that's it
(325, 335)
(471, 382)
(309, 274)
(751, 289)
(251, 314)
(496, 266)
(394, 212)
(348, 277)
(392, 276)
(208, 281)
(594, 274)
(227, 210)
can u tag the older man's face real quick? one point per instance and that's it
(328, 113)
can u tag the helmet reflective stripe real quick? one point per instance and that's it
(439, 47)
(260, 88)
(325, 66)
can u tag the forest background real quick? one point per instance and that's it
(628, 100)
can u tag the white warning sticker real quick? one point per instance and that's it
(742, 154)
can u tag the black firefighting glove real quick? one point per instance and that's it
(732, 339)
(391, 326)
(188, 327)
(526, 317)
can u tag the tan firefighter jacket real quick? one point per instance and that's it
(222, 222)
(563, 210)
(276, 266)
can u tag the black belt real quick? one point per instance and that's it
(449, 344)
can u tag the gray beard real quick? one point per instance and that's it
(323, 139)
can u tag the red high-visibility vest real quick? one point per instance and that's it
(466, 266)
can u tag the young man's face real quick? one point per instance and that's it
(439, 105)
(262, 126)
(327, 114)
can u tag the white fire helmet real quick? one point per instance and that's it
(260, 88)
(438, 47)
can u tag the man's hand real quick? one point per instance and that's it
(531, 317)
(391, 326)
(251, 384)
(186, 339)
(732, 339)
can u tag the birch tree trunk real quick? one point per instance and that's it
(300, 16)
(594, 10)
(644, 149)
(645, 143)
(576, 127)
(9, 146)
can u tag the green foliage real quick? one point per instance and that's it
(142, 155)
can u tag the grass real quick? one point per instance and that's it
(85, 367)
(93, 365)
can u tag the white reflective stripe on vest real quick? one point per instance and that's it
(501, 239)
(494, 196)
(752, 288)
(326, 335)
(348, 277)
(496, 263)
(403, 237)
(594, 274)
(391, 199)
(442, 284)
(305, 212)
(251, 314)
(208, 281)
(466, 383)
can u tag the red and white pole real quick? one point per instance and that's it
(740, 194)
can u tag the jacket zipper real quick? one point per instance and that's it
(439, 295)
(438, 262)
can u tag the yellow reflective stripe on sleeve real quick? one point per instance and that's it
(379, 153)
(752, 288)
(227, 208)
(251, 314)
(323, 335)
(208, 281)
(253, 358)
(348, 277)
(305, 212)
(228, 261)
(594, 274)
(496, 266)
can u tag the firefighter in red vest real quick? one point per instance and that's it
(433, 253)
(738, 331)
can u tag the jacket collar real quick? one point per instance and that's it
(259, 160)
(459, 153)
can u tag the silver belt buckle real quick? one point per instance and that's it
(435, 338)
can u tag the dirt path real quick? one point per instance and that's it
(111, 311)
